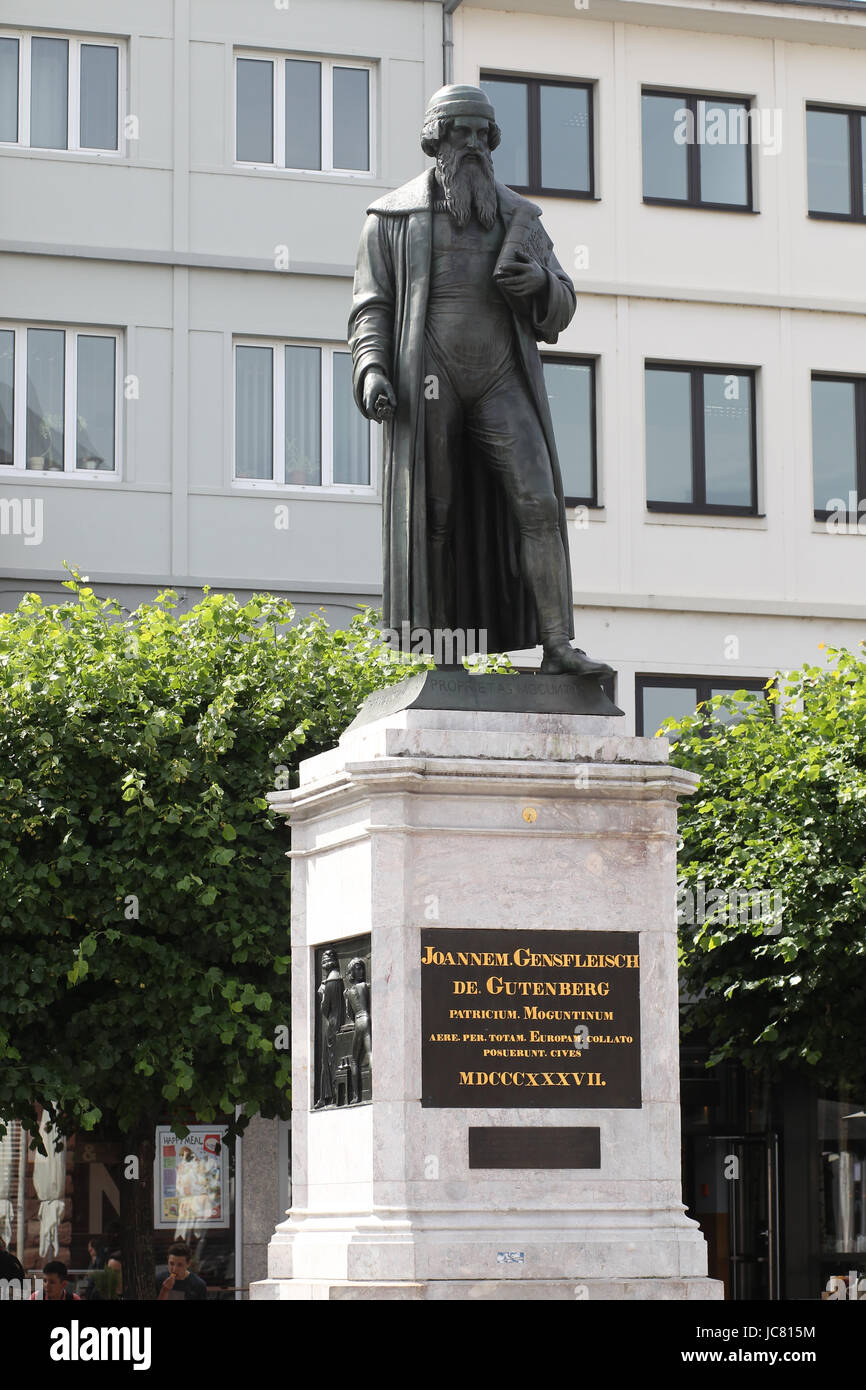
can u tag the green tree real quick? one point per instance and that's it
(774, 848)
(144, 923)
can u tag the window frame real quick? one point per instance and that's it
(855, 150)
(533, 131)
(278, 58)
(278, 413)
(697, 507)
(72, 333)
(75, 43)
(690, 100)
(859, 384)
(579, 360)
(646, 680)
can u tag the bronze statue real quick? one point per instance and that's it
(330, 995)
(456, 282)
(358, 1010)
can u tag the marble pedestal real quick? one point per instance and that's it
(465, 819)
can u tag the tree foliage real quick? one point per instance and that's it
(144, 922)
(779, 820)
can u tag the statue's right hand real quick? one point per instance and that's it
(379, 399)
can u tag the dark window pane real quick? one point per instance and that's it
(862, 170)
(725, 152)
(303, 114)
(741, 706)
(510, 103)
(255, 111)
(565, 152)
(666, 702)
(668, 436)
(829, 161)
(834, 443)
(8, 89)
(254, 412)
(728, 439)
(7, 395)
(664, 129)
(351, 118)
(98, 97)
(569, 391)
(351, 430)
(96, 400)
(303, 415)
(45, 380)
(49, 68)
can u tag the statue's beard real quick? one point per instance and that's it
(467, 183)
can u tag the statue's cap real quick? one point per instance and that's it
(458, 100)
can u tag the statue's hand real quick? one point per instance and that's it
(379, 399)
(522, 276)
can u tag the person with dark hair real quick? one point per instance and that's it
(115, 1269)
(54, 1277)
(90, 1291)
(10, 1266)
(181, 1282)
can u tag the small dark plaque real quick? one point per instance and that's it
(507, 1146)
(530, 1019)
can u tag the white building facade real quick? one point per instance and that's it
(182, 186)
(713, 223)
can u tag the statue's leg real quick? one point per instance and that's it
(443, 428)
(507, 434)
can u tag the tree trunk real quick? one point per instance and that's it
(136, 1215)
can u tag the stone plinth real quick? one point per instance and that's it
(493, 821)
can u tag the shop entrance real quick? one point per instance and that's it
(732, 1188)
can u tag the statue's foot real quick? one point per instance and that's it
(561, 658)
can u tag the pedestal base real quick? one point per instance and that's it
(494, 1290)
(490, 844)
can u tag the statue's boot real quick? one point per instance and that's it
(560, 657)
(547, 572)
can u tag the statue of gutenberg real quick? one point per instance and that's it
(456, 281)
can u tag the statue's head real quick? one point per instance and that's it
(460, 133)
(329, 963)
(357, 971)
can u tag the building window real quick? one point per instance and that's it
(700, 439)
(296, 422)
(835, 141)
(547, 141)
(838, 445)
(696, 150)
(304, 113)
(58, 400)
(570, 383)
(658, 698)
(59, 93)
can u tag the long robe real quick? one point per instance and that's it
(386, 329)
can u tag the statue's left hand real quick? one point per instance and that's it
(523, 275)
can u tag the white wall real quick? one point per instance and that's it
(191, 240)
